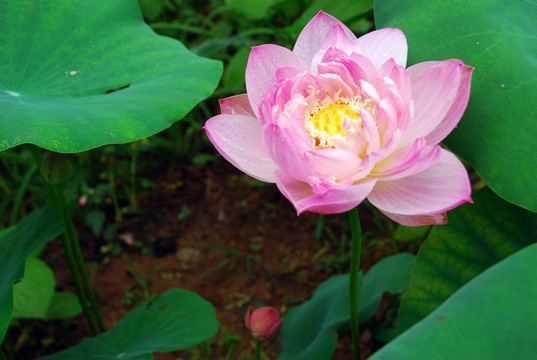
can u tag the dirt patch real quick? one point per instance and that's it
(234, 241)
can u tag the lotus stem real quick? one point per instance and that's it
(68, 238)
(356, 252)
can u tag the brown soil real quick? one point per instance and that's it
(241, 245)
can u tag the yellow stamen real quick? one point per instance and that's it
(325, 121)
(335, 117)
(329, 119)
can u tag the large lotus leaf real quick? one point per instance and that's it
(176, 320)
(497, 37)
(77, 74)
(310, 331)
(491, 317)
(478, 236)
(16, 245)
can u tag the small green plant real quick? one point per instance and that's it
(184, 213)
(225, 348)
(143, 276)
(234, 259)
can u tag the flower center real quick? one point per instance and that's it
(324, 122)
(329, 119)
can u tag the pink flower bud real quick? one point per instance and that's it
(264, 323)
(83, 200)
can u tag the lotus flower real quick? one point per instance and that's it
(339, 119)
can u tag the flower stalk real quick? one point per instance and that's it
(257, 349)
(71, 247)
(356, 252)
(80, 261)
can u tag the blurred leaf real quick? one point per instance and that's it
(203, 158)
(32, 296)
(176, 320)
(391, 275)
(236, 68)
(478, 236)
(63, 305)
(410, 233)
(151, 9)
(491, 317)
(310, 331)
(18, 244)
(252, 9)
(497, 37)
(37, 253)
(344, 11)
(81, 74)
(212, 46)
(95, 220)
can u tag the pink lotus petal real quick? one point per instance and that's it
(418, 220)
(361, 68)
(331, 83)
(392, 122)
(333, 162)
(371, 133)
(329, 70)
(286, 152)
(400, 78)
(236, 105)
(339, 38)
(287, 72)
(388, 120)
(334, 200)
(381, 45)
(365, 168)
(313, 35)
(369, 91)
(436, 86)
(238, 139)
(409, 162)
(441, 187)
(455, 112)
(261, 69)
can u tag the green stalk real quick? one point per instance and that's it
(257, 349)
(20, 194)
(356, 252)
(80, 260)
(66, 241)
(67, 248)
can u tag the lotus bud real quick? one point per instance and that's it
(56, 168)
(264, 323)
(83, 200)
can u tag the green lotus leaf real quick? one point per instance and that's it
(497, 133)
(16, 245)
(78, 74)
(491, 317)
(176, 320)
(477, 237)
(310, 331)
